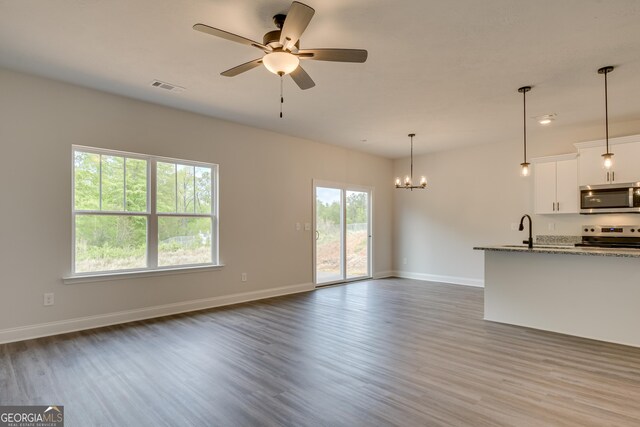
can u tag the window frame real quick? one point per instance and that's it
(151, 215)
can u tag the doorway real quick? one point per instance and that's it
(342, 225)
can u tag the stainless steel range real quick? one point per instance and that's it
(610, 236)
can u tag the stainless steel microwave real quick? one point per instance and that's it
(610, 198)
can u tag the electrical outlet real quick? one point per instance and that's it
(404, 261)
(48, 299)
(514, 226)
(307, 226)
(243, 277)
(298, 226)
(552, 226)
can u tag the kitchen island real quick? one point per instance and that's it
(586, 292)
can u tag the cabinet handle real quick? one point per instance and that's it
(553, 206)
(613, 176)
(607, 176)
(558, 206)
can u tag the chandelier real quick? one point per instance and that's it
(408, 179)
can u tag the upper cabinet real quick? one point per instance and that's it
(556, 184)
(626, 161)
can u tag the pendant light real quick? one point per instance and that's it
(524, 171)
(408, 179)
(606, 157)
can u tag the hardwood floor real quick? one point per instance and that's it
(374, 353)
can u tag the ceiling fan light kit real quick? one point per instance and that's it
(280, 63)
(281, 48)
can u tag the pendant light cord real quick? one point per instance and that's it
(606, 109)
(523, 90)
(606, 70)
(411, 159)
(524, 121)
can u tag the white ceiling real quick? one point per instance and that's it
(448, 70)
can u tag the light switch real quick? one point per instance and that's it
(298, 226)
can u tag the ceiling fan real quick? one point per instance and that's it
(281, 47)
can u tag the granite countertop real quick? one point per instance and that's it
(564, 250)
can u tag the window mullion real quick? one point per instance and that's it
(175, 174)
(100, 182)
(124, 185)
(152, 223)
(182, 215)
(194, 189)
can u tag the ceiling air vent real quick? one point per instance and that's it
(167, 86)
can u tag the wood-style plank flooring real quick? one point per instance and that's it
(373, 353)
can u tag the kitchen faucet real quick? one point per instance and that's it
(530, 241)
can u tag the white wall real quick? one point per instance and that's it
(265, 188)
(474, 196)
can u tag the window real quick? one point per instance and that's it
(136, 212)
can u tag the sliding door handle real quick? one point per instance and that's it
(317, 234)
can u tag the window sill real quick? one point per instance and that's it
(105, 277)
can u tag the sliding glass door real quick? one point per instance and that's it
(342, 222)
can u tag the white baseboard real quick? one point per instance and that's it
(454, 280)
(89, 322)
(383, 274)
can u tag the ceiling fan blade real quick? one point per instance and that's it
(229, 36)
(232, 72)
(302, 79)
(298, 18)
(338, 55)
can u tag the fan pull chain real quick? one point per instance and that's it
(281, 96)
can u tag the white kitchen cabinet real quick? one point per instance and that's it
(590, 168)
(544, 177)
(567, 192)
(626, 161)
(556, 185)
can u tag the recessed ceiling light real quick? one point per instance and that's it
(546, 119)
